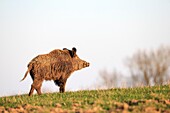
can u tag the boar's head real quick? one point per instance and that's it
(77, 62)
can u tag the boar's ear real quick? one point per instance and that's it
(73, 52)
(65, 49)
(74, 49)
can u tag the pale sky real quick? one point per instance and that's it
(104, 32)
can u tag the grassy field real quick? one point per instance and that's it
(143, 99)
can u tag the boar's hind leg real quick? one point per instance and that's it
(31, 90)
(36, 85)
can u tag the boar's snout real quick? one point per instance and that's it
(86, 64)
(80, 64)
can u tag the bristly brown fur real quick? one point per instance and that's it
(56, 65)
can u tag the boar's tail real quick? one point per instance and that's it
(28, 70)
(25, 74)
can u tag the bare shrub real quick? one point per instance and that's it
(150, 67)
(110, 80)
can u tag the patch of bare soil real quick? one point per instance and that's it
(140, 106)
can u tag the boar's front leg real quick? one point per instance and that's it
(62, 87)
(61, 83)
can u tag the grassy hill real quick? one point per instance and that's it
(142, 99)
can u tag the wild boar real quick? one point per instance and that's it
(57, 65)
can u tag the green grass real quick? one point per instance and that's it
(130, 99)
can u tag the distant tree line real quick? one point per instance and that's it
(145, 68)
